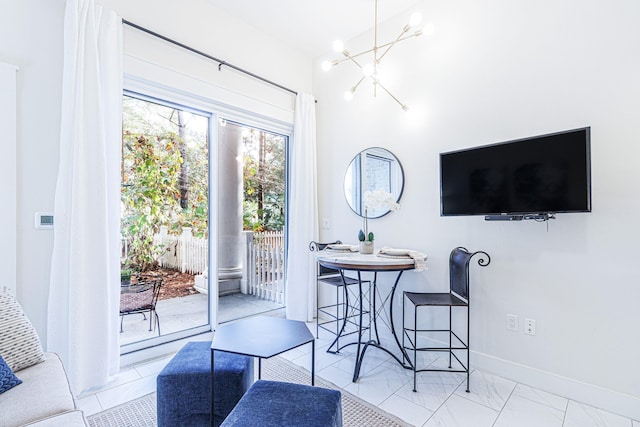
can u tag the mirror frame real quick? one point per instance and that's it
(354, 179)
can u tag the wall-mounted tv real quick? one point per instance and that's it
(539, 175)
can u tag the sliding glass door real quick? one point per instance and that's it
(164, 221)
(203, 213)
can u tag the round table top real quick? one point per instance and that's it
(363, 262)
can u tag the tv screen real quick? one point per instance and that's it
(537, 175)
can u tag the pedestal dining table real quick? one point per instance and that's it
(360, 263)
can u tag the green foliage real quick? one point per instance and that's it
(264, 181)
(196, 213)
(160, 142)
(141, 117)
(369, 237)
(150, 170)
(125, 274)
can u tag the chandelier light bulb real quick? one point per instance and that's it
(415, 19)
(348, 95)
(326, 65)
(338, 46)
(367, 70)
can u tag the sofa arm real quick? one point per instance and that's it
(44, 392)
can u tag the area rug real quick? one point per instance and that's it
(355, 411)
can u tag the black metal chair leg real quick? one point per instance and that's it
(415, 346)
(337, 340)
(468, 345)
(450, 332)
(317, 309)
(157, 321)
(404, 331)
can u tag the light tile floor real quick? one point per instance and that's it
(441, 400)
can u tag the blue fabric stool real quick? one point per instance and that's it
(277, 404)
(184, 386)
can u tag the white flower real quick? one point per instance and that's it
(380, 199)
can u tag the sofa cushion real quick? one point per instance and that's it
(8, 379)
(44, 392)
(19, 343)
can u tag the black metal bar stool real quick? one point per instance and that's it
(343, 315)
(458, 296)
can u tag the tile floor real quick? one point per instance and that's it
(441, 399)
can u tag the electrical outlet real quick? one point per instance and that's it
(512, 322)
(530, 326)
(326, 223)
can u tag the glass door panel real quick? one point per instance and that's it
(251, 220)
(164, 221)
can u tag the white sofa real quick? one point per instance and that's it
(43, 398)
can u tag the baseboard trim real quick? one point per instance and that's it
(599, 397)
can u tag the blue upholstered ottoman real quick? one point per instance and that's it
(277, 404)
(184, 386)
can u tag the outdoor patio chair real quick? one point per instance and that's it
(141, 298)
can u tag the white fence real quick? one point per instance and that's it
(264, 270)
(185, 252)
(264, 261)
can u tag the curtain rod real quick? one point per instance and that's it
(220, 62)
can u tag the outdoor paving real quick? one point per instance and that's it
(187, 312)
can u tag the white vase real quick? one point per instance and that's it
(366, 247)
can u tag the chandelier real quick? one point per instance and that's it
(370, 69)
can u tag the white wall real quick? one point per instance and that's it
(8, 234)
(494, 71)
(35, 31)
(32, 34)
(205, 28)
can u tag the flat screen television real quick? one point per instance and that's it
(527, 178)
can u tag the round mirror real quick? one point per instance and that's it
(376, 170)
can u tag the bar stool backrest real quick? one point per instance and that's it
(459, 270)
(320, 246)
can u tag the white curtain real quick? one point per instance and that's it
(303, 213)
(83, 311)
